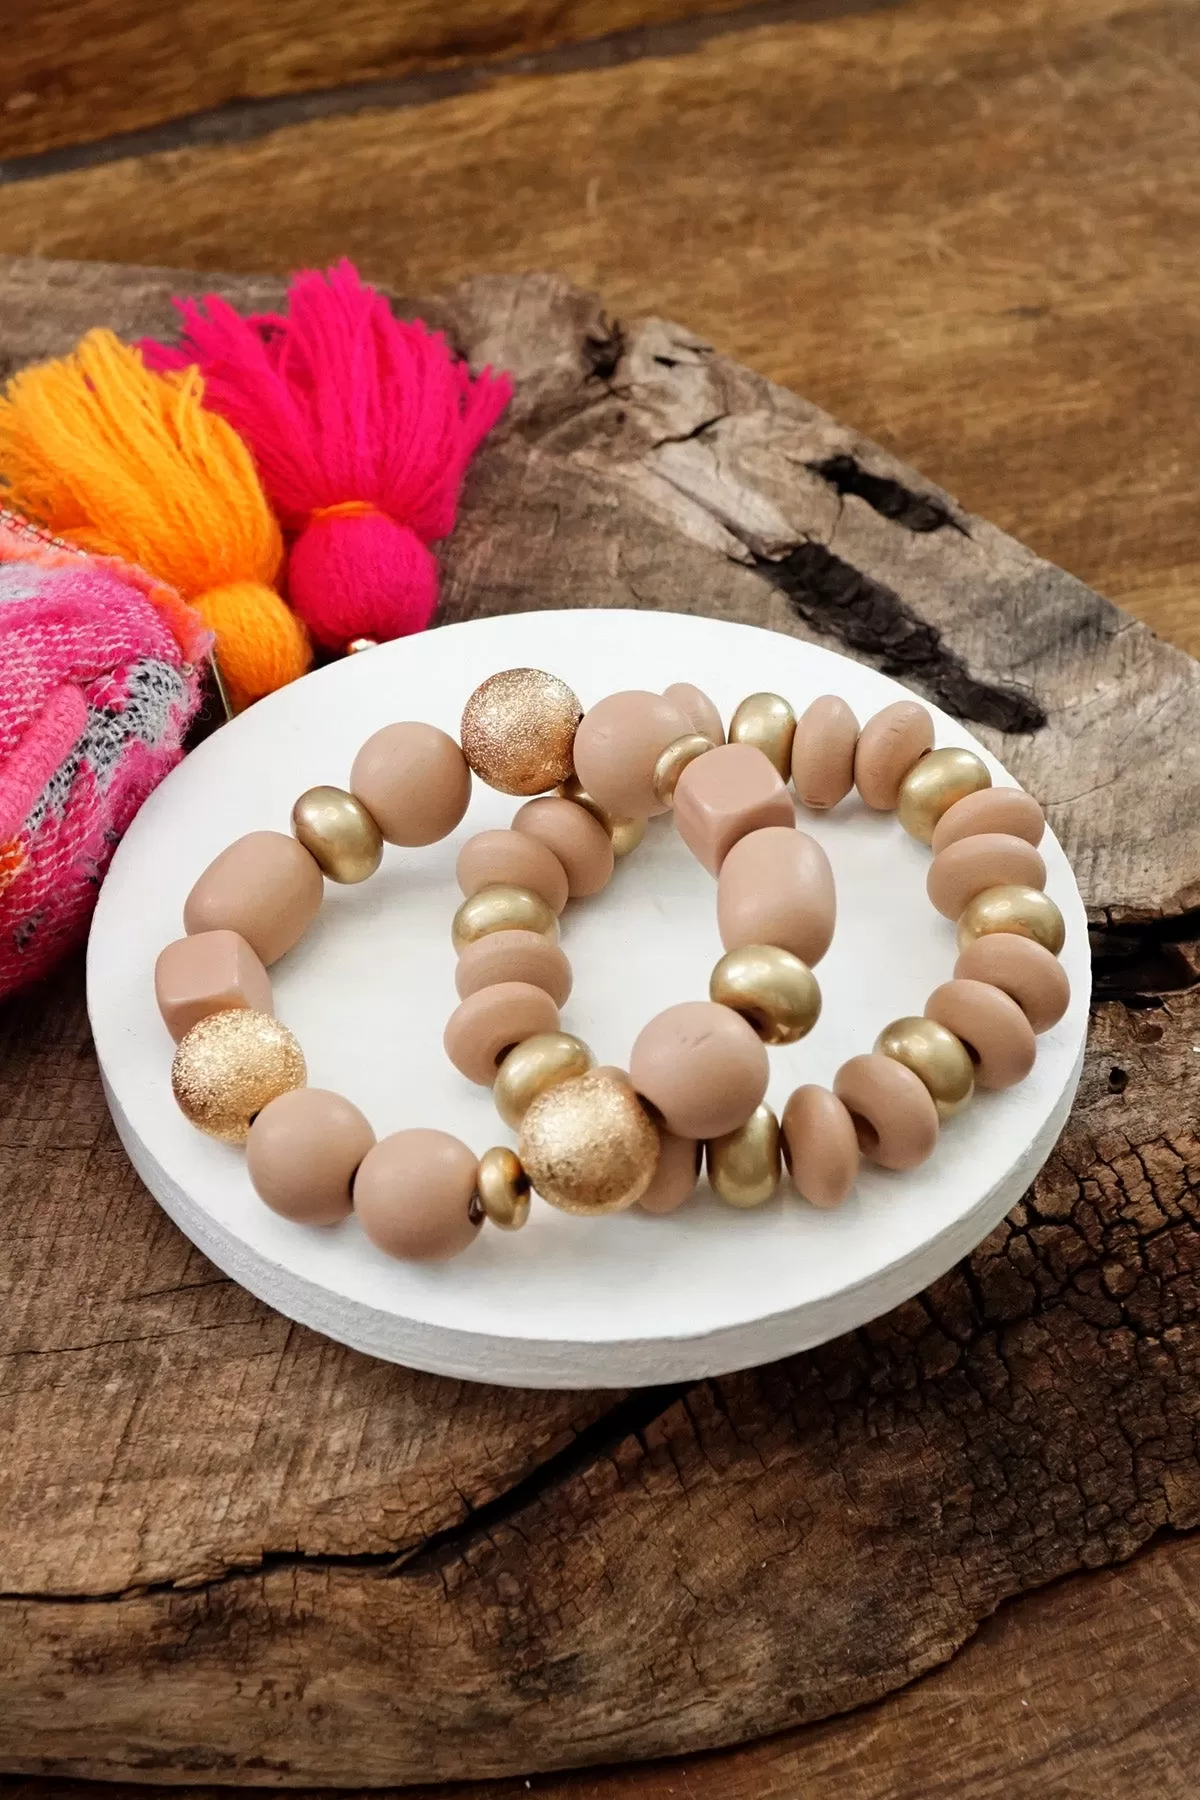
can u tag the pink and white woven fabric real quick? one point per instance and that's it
(100, 675)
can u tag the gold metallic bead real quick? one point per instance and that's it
(229, 1065)
(745, 1165)
(674, 760)
(932, 786)
(518, 731)
(1023, 911)
(533, 1067)
(626, 834)
(936, 1055)
(588, 1146)
(503, 909)
(357, 645)
(339, 833)
(771, 988)
(503, 1188)
(767, 722)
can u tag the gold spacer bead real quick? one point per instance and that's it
(503, 909)
(934, 784)
(626, 834)
(339, 834)
(533, 1067)
(767, 722)
(357, 645)
(772, 989)
(502, 1187)
(1023, 911)
(229, 1065)
(588, 1145)
(518, 731)
(744, 1166)
(936, 1056)
(674, 760)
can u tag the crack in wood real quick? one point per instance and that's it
(886, 496)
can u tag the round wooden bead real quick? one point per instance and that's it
(724, 796)
(511, 859)
(744, 1166)
(820, 1146)
(513, 956)
(339, 834)
(776, 887)
(229, 1066)
(1005, 809)
(484, 1027)
(617, 745)
(998, 1036)
(575, 836)
(1023, 970)
(265, 886)
(1023, 911)
(888, 746)
(969, 866)
(518, 728)
(676, 1175)
(414, 1195)
(302, 1153)
(214, 971)
(933, 785)
(414, 781)
(895, 1119)
(702, 1068)
(823, 752)
(702, 715)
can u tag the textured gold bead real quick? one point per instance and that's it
(518, 731)
(745, 1165)
(674, 760)
(339, 833)
(503, 909)
(533, 1067)
(1023, 911)
(229, 1065)
(503, 1188)
(588, 1146)
(626, 834)
(933, 785)
(934, 1054)
(768, 723)
(771, 988)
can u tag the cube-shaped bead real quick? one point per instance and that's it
(725, 794)
(210, 972)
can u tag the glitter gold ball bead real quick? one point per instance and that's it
(229, 1065)
(518, 731)
(588, 1145)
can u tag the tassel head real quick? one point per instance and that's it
(359, 574)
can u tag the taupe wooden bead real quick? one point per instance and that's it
(339, 834)
(702, 1068)
(1005, 809)
(414, 781)
(934, 784)
(503, 909)
(995, 1031)
(724, 796)
(1023, 970)
(511, 859)
(702, 714)
(974, 864)
(676, 1174)
(265, 886)
(574, 836)
(533, 1066)
(744, 1166)
(823, 752)
(617, 745)
(482, 1029)
(820, 1146)
(888, 746)
(214, 971)
(513, 956)
(776, 887)
(414, 1195)
(302, 1154)
(893, 1111)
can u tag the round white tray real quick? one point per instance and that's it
(566, 1302)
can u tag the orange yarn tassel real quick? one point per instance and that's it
(122, 461)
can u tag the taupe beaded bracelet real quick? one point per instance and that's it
(598, 1140)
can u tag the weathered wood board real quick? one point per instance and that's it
(231, 1552)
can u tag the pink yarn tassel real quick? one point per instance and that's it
(362, 426)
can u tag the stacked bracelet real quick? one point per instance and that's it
(598, 1140)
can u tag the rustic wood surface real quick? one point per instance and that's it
(231, 1551)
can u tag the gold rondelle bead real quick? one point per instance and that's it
(936, 1055)
(767, 722)
(588, 1145)
(503, 909)
(1023, 911)
(745, 1165)
(339, 833)
(674, 760)
(934, 784)
(776, 992)
(503, 1188)
(533, 1067)
(626, 834)
(229, 1065)
(518, 731)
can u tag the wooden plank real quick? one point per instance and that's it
(958, 228)
(229, 1551)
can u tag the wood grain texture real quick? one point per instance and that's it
(959, 228)
(231, 1552)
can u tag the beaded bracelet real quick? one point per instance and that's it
(597, 1140)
